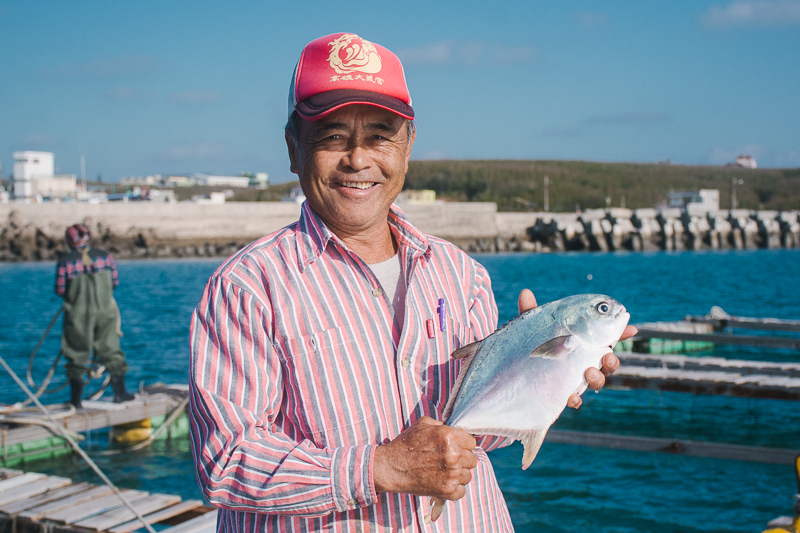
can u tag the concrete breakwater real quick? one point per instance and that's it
(650, 229)
(30, 232)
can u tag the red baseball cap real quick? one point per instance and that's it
(343, 69)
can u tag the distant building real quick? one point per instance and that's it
(212, 198)
(221, 181)
(417, 197)
(34, 177)
(260, 180)
(177, 181)
(745, 161)
(295, 195)
(701, 201)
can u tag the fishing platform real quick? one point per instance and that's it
(33, 502)
(27, 436)
(695, 333)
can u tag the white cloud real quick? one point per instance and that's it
(466, 53)
(196, 97)
(105, 67)
(125, 93)
(437, 53)
(198, 151)
(761, 13)
(592, 20)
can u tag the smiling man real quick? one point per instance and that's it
(320, 355)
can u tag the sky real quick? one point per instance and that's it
(177, 87)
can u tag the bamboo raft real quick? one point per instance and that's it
(33, 502)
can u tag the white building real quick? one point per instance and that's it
(221, 181)
(260, 180)
(745, 161)
(34, 176)
(695, 202)
(295, 195)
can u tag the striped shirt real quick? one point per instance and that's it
(71, 265)
(298, 373)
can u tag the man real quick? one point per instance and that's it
(316, 381)
(86, 278)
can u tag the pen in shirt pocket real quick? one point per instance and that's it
(442, 310)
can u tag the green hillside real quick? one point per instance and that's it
(513, 184)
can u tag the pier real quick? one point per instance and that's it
(33, 502)
(25, 436)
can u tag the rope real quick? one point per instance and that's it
(39, 345)
(75, 446)
(94, 373)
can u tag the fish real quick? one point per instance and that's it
(516, 382)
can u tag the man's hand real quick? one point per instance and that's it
(595, 378)
(427, 459)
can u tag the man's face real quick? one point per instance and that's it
(351, 164)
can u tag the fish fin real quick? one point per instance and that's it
(555, 348)
(532, 442)
(466, 360)
(437, 508)
(466, 351)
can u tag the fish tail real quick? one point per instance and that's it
(437, 508)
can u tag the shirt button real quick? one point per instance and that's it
(351, 503)
(404, 361)
(376, 291)
(427, 519)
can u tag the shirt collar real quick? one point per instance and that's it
(313, 236)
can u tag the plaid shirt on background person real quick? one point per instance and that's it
(71, 265)
(298, 373)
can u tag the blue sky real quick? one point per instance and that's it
(178, 87)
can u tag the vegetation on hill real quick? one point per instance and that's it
(519, 185)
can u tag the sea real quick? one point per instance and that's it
(569, 487)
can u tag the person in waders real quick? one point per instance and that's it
(86, 278)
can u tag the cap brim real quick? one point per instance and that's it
(321, 104)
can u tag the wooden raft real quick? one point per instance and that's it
(38, 502)
(717, 326)
(708, 375)
(95, 415)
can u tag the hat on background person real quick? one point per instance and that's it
(77, 236)
(343, 69)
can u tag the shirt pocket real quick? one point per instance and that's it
(442, 374)
(325, 392)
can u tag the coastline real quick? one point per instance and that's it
(34, 232)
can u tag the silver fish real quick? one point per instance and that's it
(516, 382)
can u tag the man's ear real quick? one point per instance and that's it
(408, 148)
(293, 168)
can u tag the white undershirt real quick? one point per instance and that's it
(389, 274)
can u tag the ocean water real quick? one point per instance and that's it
(568, 487)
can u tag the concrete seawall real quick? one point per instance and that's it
(35, 231)
(647, 229)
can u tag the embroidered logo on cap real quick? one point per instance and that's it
(350, 53)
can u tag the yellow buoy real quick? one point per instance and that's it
(132, 432)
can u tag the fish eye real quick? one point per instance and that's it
(603, 308)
